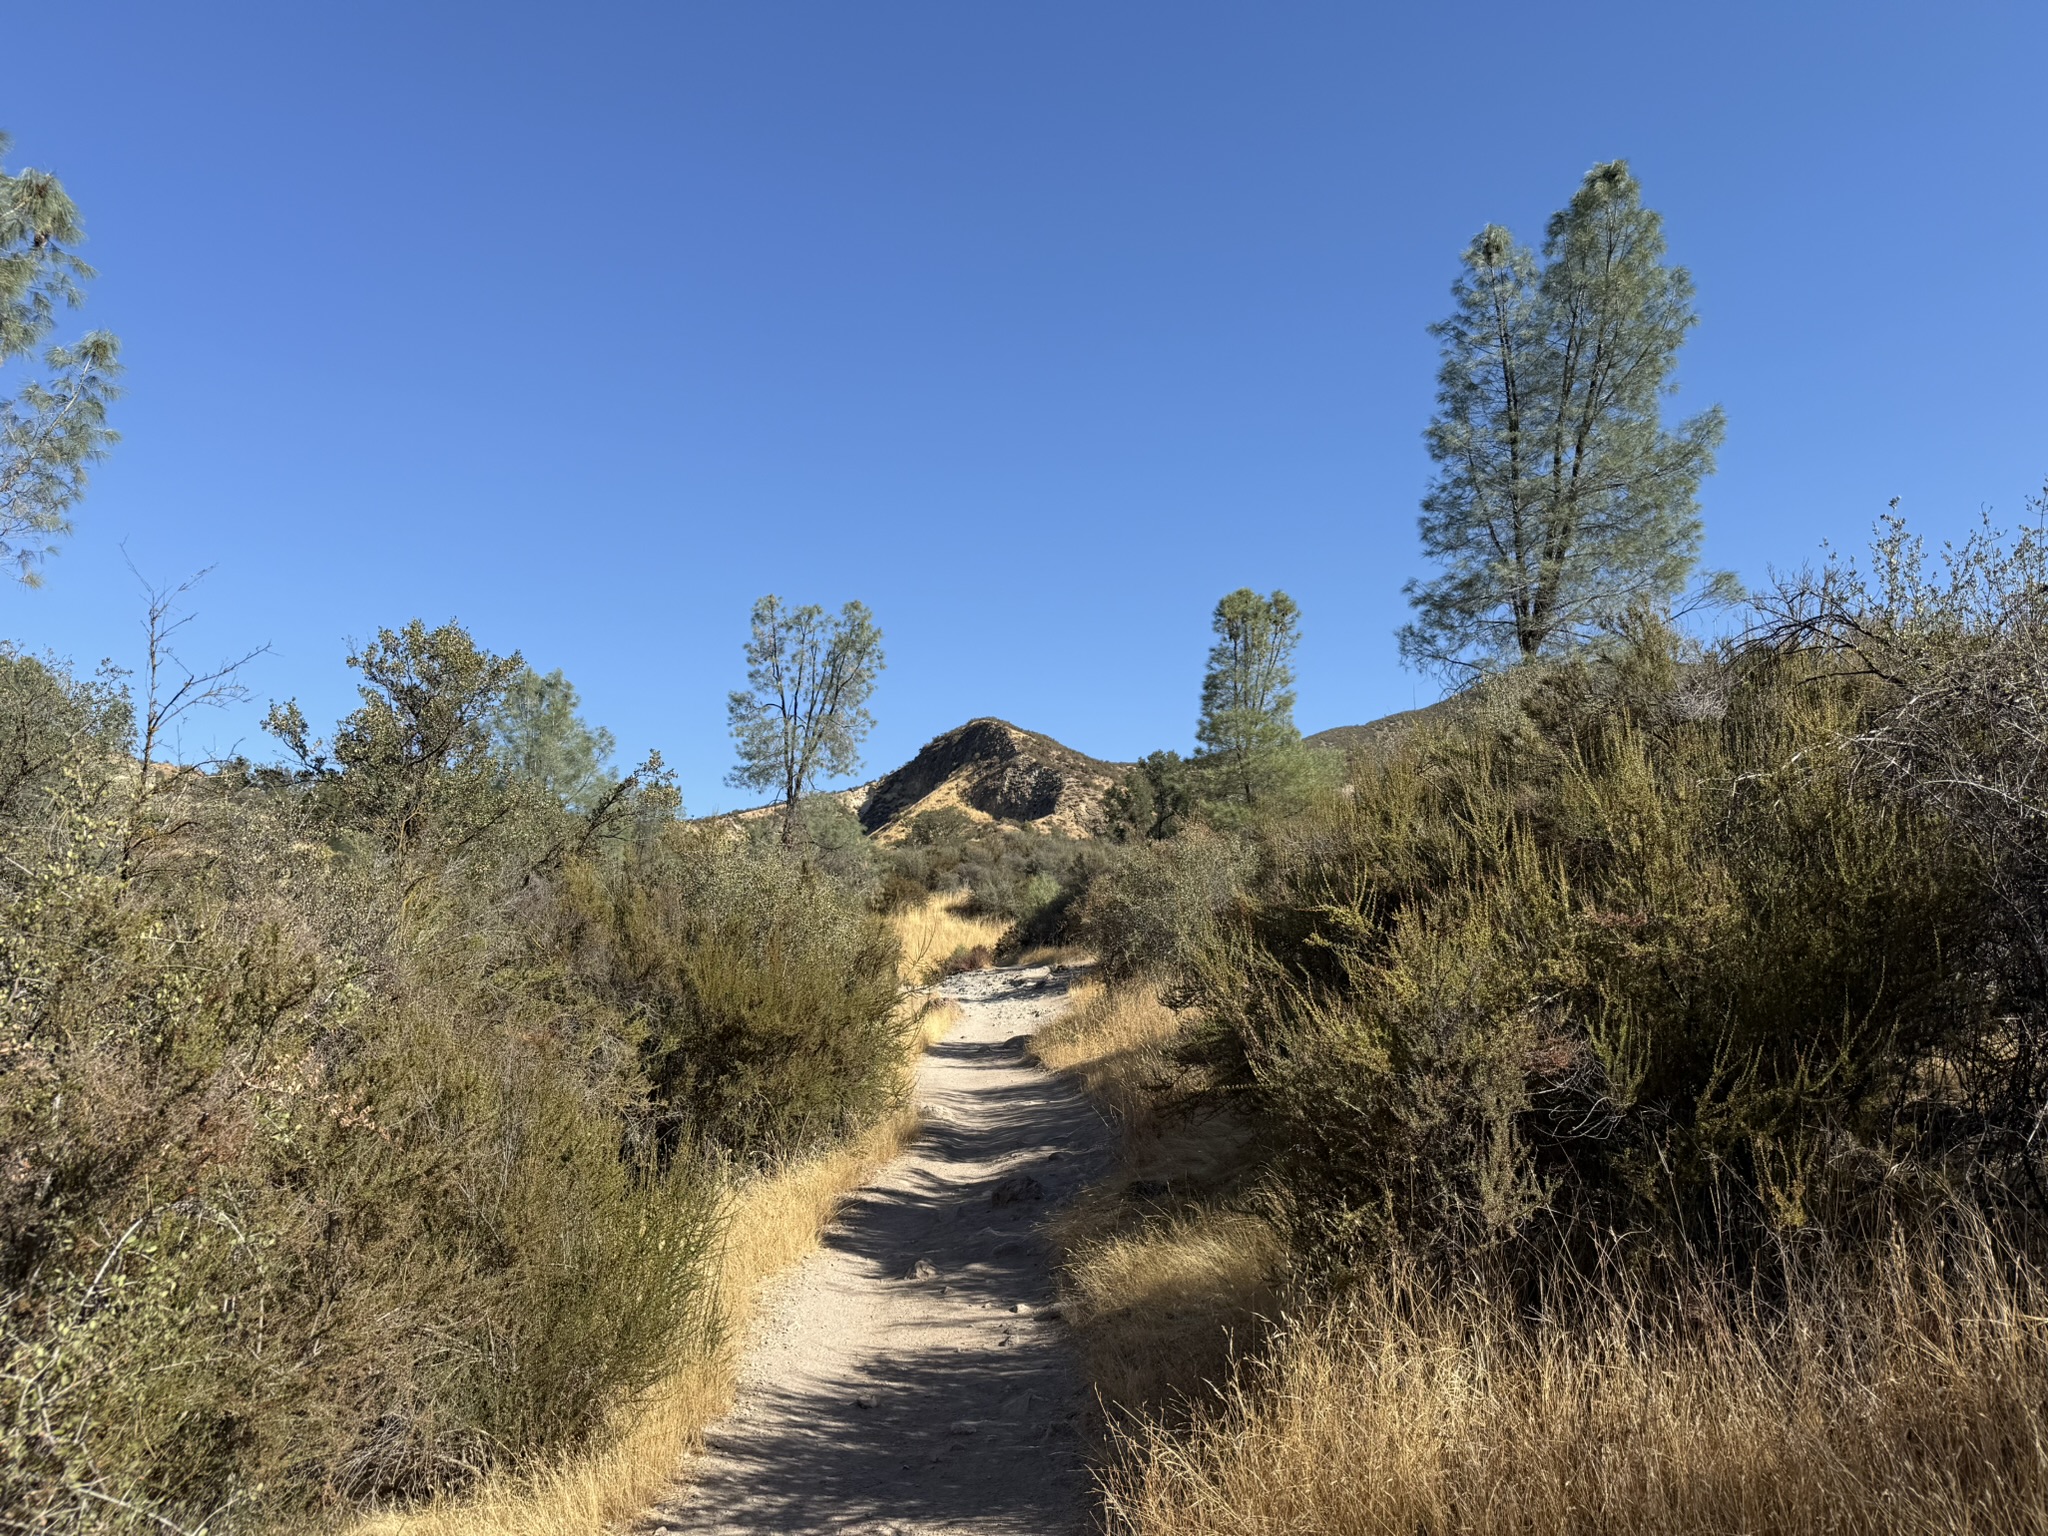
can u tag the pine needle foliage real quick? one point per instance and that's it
(1247, 720)
(1561, 504)
(54, 424)
(538, 735)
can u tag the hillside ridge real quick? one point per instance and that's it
(1388, 729)
(990, 771)
(995, 771)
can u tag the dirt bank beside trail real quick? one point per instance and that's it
(910, 1378)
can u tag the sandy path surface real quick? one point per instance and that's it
(908, 1379)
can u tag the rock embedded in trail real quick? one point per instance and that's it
(1019, 1186)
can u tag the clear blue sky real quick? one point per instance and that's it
(1038, 327)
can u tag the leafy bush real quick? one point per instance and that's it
(358, 1123)
(53, 726)
(1721, 948)
(831, 840)
(1156, 906)
(1163, 793)
(762, 996)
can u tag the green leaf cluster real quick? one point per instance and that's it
(804, 710)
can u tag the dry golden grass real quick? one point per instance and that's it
(1162, 1278)
(772, 1222)
(1917, 1403)
(1115, 1043)
(934, 1022)
(932, 932)
(1161, 1306)
(1067, 955)
(1914, 1402)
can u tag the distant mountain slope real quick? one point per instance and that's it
(994, 771)
(1388, 728)
(988, 769)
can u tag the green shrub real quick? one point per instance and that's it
(1155, 906)
(1635, 945)
(54, 727)
(1032, 880)
(359, 1137)
(831, 841)
(763, 997)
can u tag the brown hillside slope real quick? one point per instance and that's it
(1388, 729)
(994, 771)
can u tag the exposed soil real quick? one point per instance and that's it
(913, 1376)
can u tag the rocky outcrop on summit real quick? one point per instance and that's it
(993, 771)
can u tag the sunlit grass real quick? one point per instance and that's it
(933, 932)
(1916, 1401)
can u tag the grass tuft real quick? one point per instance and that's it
(932, 932)
(1913, 1401)
(1165, 1273)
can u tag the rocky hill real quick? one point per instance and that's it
(993, 771)
(990, 770)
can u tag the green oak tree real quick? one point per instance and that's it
(804, 710)
(414, 760)
(1247, 729)
(1560, 502)
(53, 423)
(1153, 800)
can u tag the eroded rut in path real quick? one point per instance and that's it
(908, 1378)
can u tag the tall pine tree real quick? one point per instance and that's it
(1247, 724)
(1560, 503)
(54, 423)
(538, 735)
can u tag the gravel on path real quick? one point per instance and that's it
(913, 1377)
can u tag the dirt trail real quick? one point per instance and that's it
(908, 1379)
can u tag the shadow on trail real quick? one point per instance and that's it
(937, 1395)
(892, 1464)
